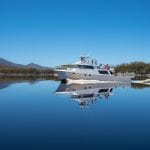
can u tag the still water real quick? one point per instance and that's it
(47, 115)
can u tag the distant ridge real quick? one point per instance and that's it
(6, 63)
(36, 66)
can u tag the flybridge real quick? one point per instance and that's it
(86, 61)
(91, 64)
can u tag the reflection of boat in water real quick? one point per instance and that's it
(87, 69)
(89, 93)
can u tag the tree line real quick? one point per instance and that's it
(13, 70)
(140, 68)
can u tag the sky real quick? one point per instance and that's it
(54, 32)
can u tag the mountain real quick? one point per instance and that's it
(6, 63)
(36, 66)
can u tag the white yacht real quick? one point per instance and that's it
(87, 69)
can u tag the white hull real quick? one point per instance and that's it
(64, 75)
(146, 82)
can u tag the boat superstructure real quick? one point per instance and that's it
(87, 69)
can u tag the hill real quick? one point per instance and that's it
(8, 64)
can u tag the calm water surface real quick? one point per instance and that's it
(33, 116)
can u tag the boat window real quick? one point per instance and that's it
(111, 73)
(73, 66)
(85, 67)
(103, 72)
(103, 90)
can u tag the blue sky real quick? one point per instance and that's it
(53, 32)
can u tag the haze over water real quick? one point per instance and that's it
(33, 116)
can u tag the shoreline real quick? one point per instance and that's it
(23, 75)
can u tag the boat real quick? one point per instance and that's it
(90, 92)
(146, 82)
(87, 69)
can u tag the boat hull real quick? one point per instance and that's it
(64, 75)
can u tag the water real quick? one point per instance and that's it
(33, 116)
